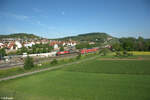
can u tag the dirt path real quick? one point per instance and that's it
(45, 69)
(139, 58)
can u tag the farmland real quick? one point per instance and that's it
(97, 79)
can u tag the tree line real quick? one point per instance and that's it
(132, 44)
(37, 48)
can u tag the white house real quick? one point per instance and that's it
(56, 47)
(71, 44)
(29, 44)
(64, 44)
(1, 45)
(18, 45)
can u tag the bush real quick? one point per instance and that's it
(28, 64)
(78, 57)
(124, 54)
(118, 54)
(130, 54)
(71, 60)
(54, 61)
(61, 48)
(104, 51)
(2, 53)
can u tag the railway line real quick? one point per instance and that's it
(36, 61)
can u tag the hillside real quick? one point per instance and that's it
(20, 35)
(92, 37)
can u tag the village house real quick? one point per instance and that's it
(14, 45)
(91, 43)
(18, 45)
(29, 44)
(2, 45)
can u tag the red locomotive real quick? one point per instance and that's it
(62, 52)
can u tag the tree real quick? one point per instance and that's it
(132, 44)
(34, 49)
(84, 45)
(2, 53)
(116, 47)
(78, 57)
(28, 64)
(61, 48)
(24, 50)
(118, 53)
(104, 51)
(44, 50)
(50, 48)
(125, 53)
(141, 44)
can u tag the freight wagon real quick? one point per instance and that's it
(83, 51)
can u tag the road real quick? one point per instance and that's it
(45, 69)
(20, 64)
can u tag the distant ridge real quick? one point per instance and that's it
(20, 35)
(91, 37)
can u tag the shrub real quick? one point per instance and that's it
(54, 61)
(28, 64)
(130, 54)
(118, 54)
(104, 51)
(71, 60)
(78, 57)
(125, 52)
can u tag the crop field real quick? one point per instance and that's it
(96, 79)
(140, 53)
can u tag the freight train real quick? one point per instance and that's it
(82, 51)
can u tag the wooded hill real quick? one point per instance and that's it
(20, 35)
(92, 37)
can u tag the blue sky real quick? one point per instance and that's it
(59, 18)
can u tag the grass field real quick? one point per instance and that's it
(93, 80)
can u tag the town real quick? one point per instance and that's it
(74, 49)
(13, 45)
(15, 49)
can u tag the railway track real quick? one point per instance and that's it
(37, 61)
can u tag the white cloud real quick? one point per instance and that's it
(13, 15)
(20, 17)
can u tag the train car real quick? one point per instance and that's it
(62, 52)
(83, 51)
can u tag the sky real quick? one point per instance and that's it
(60, 18)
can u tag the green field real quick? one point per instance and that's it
(93, 80)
